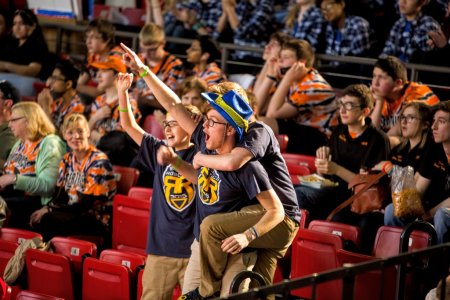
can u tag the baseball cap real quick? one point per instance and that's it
(112, 63)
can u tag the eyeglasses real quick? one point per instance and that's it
(347, 105)
(211, 123)
(15, 119)
(150, 49)
(327, 7)
(56, 78)
(408, 118)
(169, 124)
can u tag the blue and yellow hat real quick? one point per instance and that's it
(233, 108)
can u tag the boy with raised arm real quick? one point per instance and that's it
(270, 226)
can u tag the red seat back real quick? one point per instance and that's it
(126, 177)
(387, 241)
(5, 290)
(49, 273)
(130, 224)
(283, 141)
(103, 280)
(7, 250)
(17, 235)
(29, 295)
(75, 250)
(347, 232)
(314, 252)
(128, 259)
(152, 126)
(139, 192)
(300, 159)
(135, 16)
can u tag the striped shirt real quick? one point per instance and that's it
(22, 160)
(413, 92)
(315, 101)
(112, 123)
(60, 110)
(211, 75)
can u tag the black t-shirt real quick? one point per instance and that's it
(262, 143)
(221, 192)
(33, 50)
(354, 154)
(173, 210)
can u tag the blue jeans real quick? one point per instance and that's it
(441, 222)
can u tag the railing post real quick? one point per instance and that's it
(348, 286)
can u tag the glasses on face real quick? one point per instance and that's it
(56, 78)
(169, 124)
(150, 49)
(408, 118)
(12, 120)
(347, 105)
(327, 7)
(211, 122)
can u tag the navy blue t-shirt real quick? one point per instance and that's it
(173, 210)
(221, 192)
(262, 143)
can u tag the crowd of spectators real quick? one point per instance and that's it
(99, 109)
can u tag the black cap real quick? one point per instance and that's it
(9, 91)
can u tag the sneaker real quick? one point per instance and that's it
(192, 295)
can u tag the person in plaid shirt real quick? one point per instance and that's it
(345, 35)
(62, 86)
(208, 14)
(251, 22)
(409, 35)
(305, 22)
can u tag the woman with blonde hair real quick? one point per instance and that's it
(30, 172)
(81, 204)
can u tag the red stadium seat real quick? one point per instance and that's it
(17, 235)
(347, 232)
(75, 250)
(139, 192)
(103, 280)
(135, 16)
(130, 224)
(314, 252)
(5, 290)
(283, 141)
(152, 126)
(126, 178)
(301, 160)
(29, 295)
(128, 259)
(7, 250)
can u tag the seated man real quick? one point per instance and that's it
(8, 97)
(354, 145)
(223, 192)
(60, 98)
(392, 90)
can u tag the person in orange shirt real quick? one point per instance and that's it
(392, 91)
(202, 54)
(166, 66)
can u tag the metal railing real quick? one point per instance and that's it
(348, 275)
(226, 49)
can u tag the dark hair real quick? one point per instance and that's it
(208, 46)
(9, 91)
(444, 106)
(69, 71)
(30, 19)
(105, 28)
(360, 91)
(302, 49)
(280, 37)
(393, 66)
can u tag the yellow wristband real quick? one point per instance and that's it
(144, 73)
(123, 109)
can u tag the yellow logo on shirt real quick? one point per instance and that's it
(178, 191)
(208, 186)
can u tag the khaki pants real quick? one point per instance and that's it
(161, 275)
(271, 246)
(236, 264)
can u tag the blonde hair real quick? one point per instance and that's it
(292, 15)
(72, 120)
(151, 34)
(38, 123)
(226, 86)
(192, 83)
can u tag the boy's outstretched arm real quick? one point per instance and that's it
(165, 96)
(223, 162)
